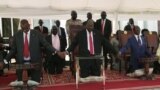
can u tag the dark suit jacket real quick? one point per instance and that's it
(128, 28)
(137, 51)
(36, 40)
(63, 34)
(85, 22)
(81, 40)
(45, 29)
(107, 28)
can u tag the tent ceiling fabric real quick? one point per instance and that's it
(61, 7)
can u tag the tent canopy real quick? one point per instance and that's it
(50, 8)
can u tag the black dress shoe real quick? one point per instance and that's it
(150, 77)
(144, 77)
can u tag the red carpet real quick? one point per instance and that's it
(5, 80)
(65, 81)
(119, 85)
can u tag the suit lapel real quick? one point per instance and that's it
(32, 37)
(50, 39)
(21, 40)
(135, 40)
(94, 40)
(85, 38)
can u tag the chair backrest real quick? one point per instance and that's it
(152, 42)
(123, 38)
(74, 29)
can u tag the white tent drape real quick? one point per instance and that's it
(52, 8)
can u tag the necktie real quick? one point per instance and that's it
(102, 26)
(91, 44)
(139, 41)
(132, 27)
(26, 47)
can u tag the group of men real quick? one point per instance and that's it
(27, 45)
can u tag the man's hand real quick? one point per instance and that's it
(62, 54)
(119, 55)
(5, 61)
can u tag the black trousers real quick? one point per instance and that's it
(55, 65)
(1, 72)
(89, 67)
(34, 73)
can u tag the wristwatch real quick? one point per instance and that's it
(55, 52)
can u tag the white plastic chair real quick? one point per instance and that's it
(78, 68)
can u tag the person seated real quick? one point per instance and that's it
(55, 63)
(115, 42)
(139, 50)
(156, 69)
(144, 32)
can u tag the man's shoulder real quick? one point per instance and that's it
(78, 20)
(69, 20)
(61, 28)
(45, 27)
(33, 31)
(98, 20)
(131, 38)
(36, 27)
(18, 32)
(48, 36)
(107, 20)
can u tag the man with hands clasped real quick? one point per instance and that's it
(26, 48)
(90, 42)
(138, 48)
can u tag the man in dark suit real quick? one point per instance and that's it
(1, 64)
(26, 47)
(55, 63)
(90, 42)
(41, 28)
(62, 34)
(130, 25)
(105, 27)
(89, 17)
(61, 31)
(1, 56)
(138, 48)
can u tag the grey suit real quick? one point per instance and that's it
(36, 41)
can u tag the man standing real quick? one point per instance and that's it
(26, 47)
(41, 28)
(61, 31)
(105, 27)
(72, 21)
(130, 26)
(89, 17)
